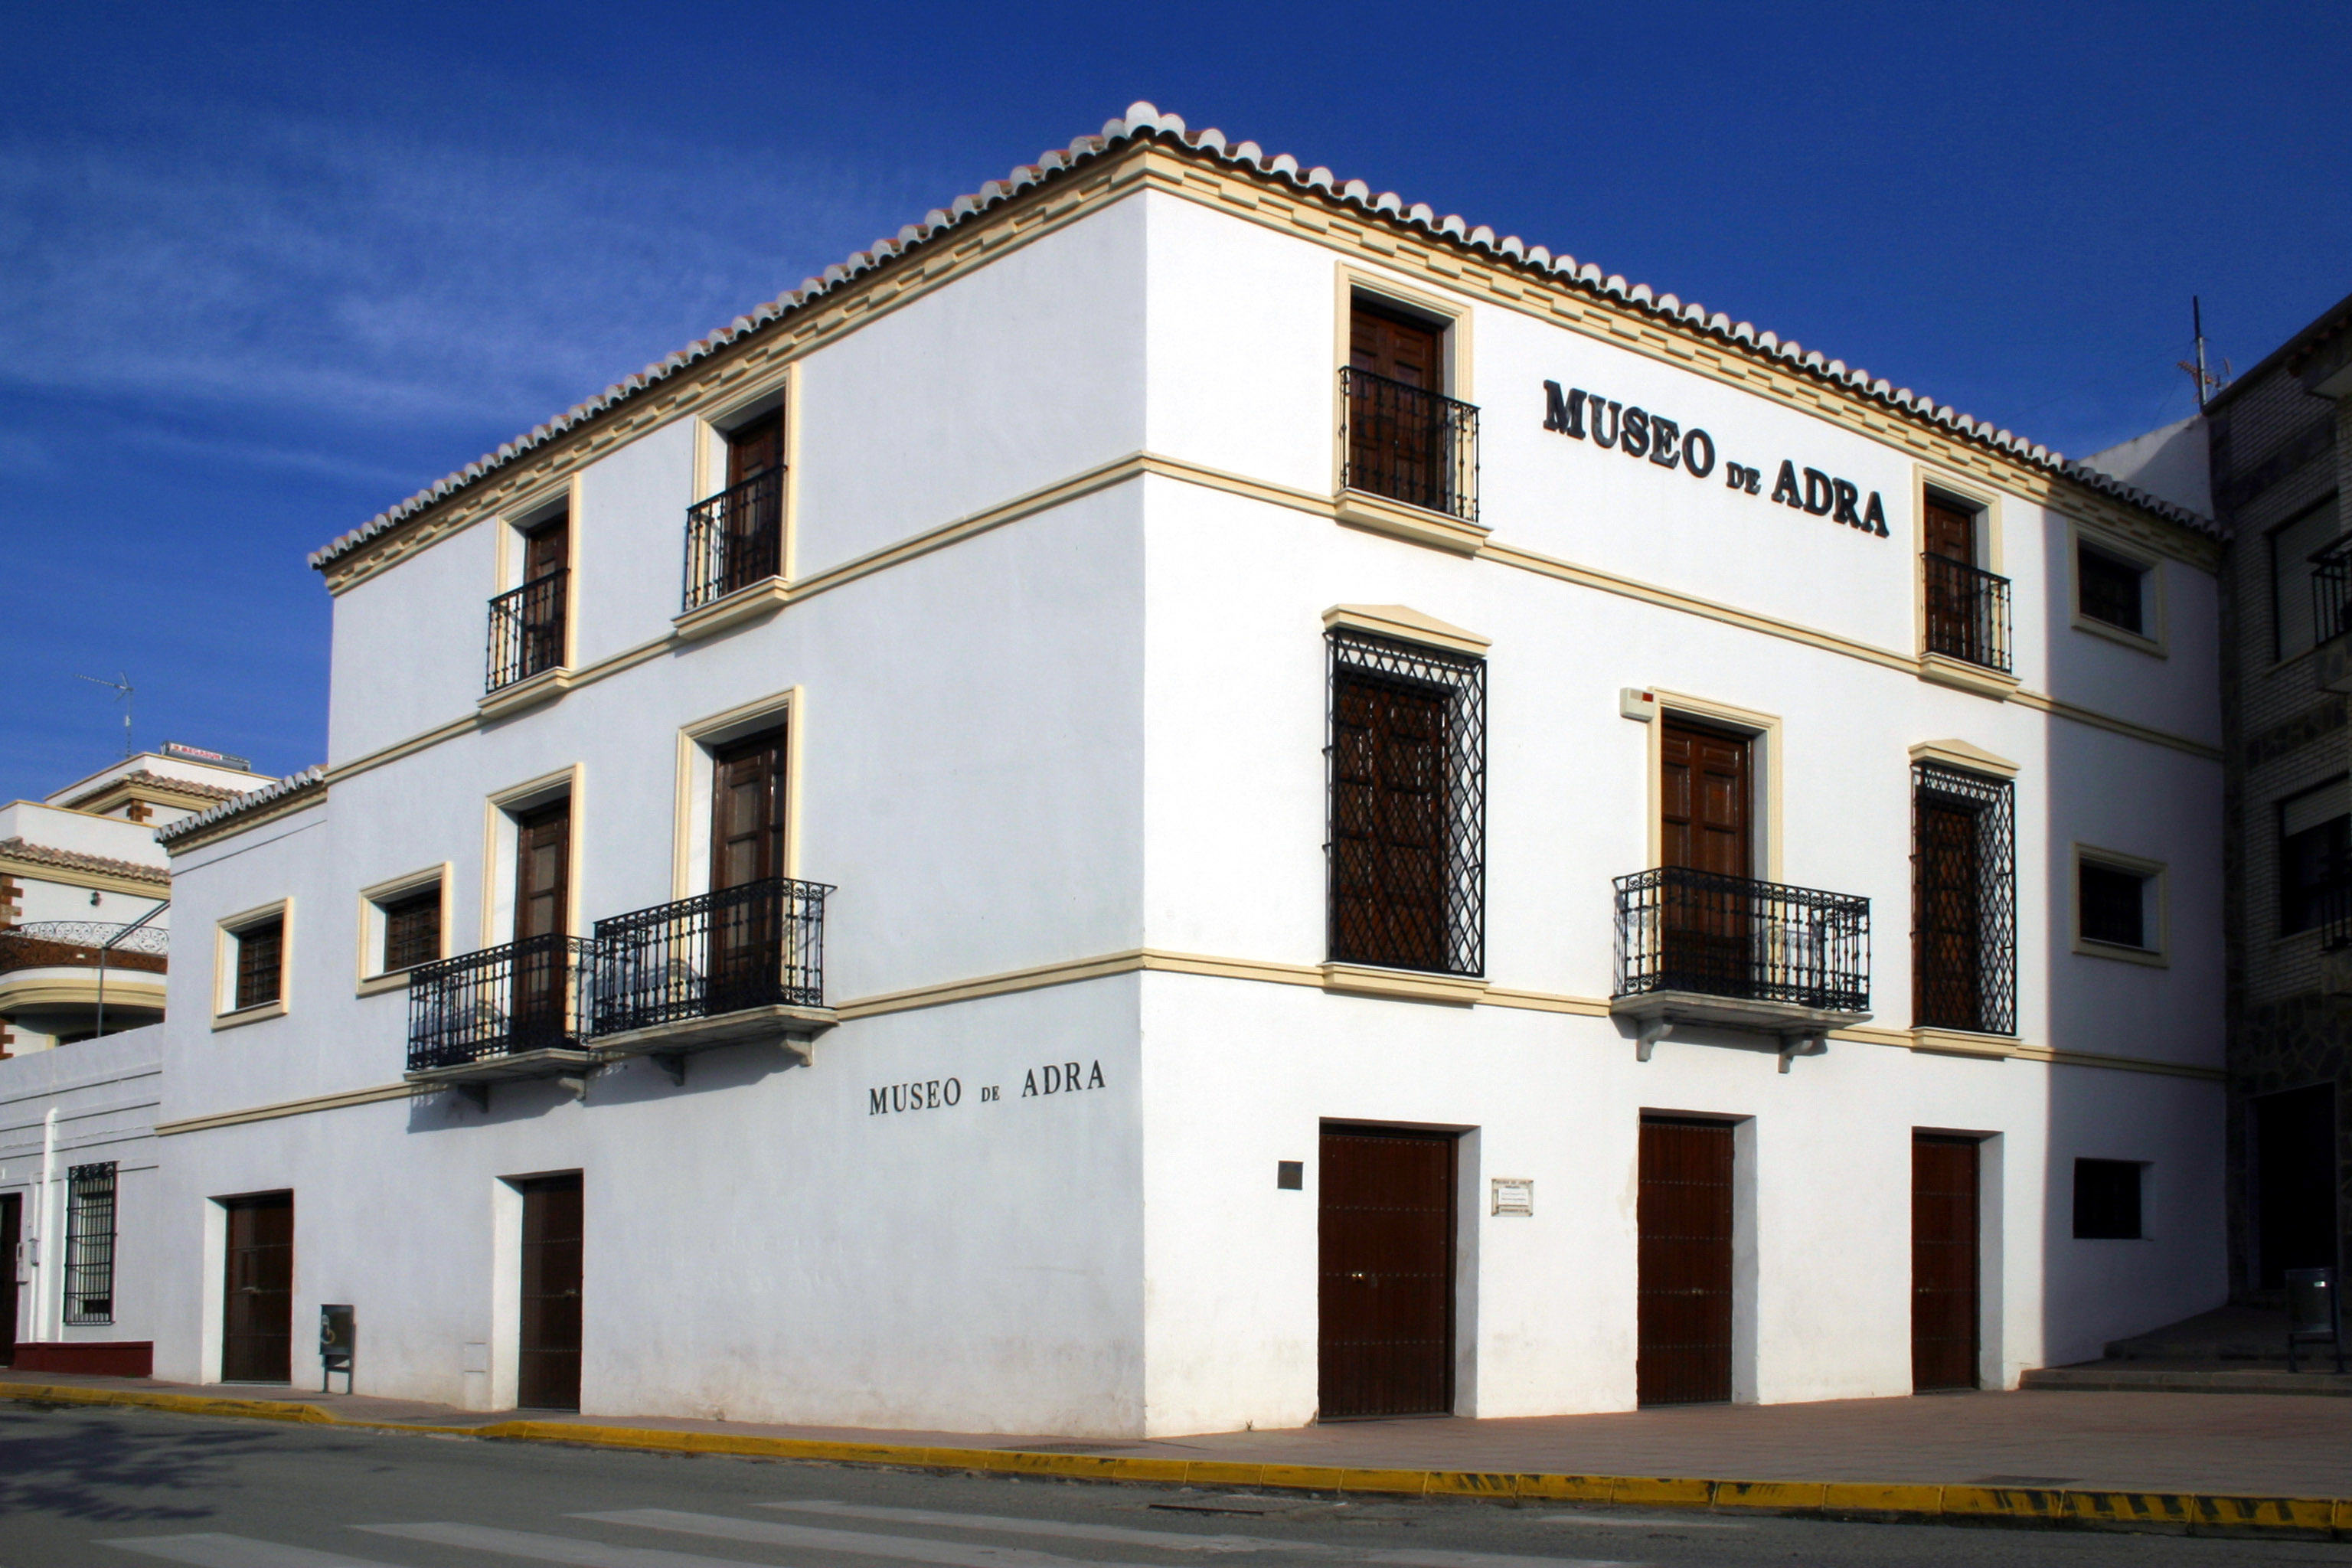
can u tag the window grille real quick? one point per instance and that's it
(1963, 901)
(1406, 848)
(260, 951)
(412, 929)
(90, 1244)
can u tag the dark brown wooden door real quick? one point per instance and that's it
(1944, 1311)
(1951, 533)
(1396, 346)
(754, 448)
(1396, 443)
(747, 811)
(542, 977)
(257, 1316)
(1706, 810)
(1385, 1286)
(547, 548)
(1947, 923)
(1685, 1289)
(11, 1233)
(548, 1367)
(1389, 814)
(753, 545)
(546, 551)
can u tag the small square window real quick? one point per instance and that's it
(2114, 905)
(2107, 1200)
(260, 956)
(411, 928)
(2111, 589)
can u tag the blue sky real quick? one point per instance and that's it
(267, 270)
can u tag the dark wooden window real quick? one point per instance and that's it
(90, 1244)
(1944, 1262)
(2295, 1177)
(1963, 901)
(2113, 902)
(2107, 1200)
(257, 1316)
(547, 551)
(2314, 858)
(1407, 818)
(1385, 1286)
(554, 1225)
(260, 957)
(1405, 438)
(1684, 1293)
(412, 929)
(2107, 587)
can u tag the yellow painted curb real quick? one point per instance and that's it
(2196, 1512)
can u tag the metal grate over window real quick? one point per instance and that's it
(1963, 901)
(90, 1244)
(1406, 763)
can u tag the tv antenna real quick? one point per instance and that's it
(2206, 381)
(121, 686)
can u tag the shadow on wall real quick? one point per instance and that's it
(627, 1082)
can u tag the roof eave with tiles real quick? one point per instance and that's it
(27, 852)
(1143, 123)
(313, 777)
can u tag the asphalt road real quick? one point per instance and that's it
(103, 1489)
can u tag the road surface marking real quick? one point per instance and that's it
(1648, 1521)
(238, 1551)
(857, 1542)
(540, 1548)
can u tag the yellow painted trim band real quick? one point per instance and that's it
(2197, 1514)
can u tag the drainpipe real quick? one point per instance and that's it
(41, 1224)
(104, 948)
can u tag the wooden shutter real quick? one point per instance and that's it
(543, 871)
(754, 448)
(1946, 974)
(412, 929)
(1951, 533)
(1389, 821)
(547, 548)
(1390, 343)
(747, 811)
(260, 957)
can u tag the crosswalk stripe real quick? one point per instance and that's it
(951, 1555)
(1124, 1536)
(211, 1550)
(857, 1542)
(548, 1548)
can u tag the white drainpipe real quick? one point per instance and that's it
(42, 1251)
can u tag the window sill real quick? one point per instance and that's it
(2139, 642)
(742, 605)
(1962, 1043)
(544, 687)
(1945, 671)
(254, 1015)
(2151, 957)
(1414, 525)
(377, 984)
(1402, 985)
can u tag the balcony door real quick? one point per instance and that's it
(257, 1312)
(753, 549)
(747, 856)
(546, 552)
(1957, 614)
(1706, 804)
(1396, 423)
(542, 912)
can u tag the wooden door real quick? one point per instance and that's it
(1944, 1264)
(11, 1234)
(542, 972)
(546, 552)
(1947, 988)
(1685, 1289)
(1951, 533)
(1396, 431)
(548, 1363)
(1385, 1273)
(1959, 618)
(1390, 808)
(747, 849)
(1706, 803)
(754, 540)
(258, 1315)
(547, 548)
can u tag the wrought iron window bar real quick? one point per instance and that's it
(1716, 935)
(2331, 590)
(2333, 905)
(525, 995)
(735, 538)
(1963, 901)
(1409, 445)
(90, 1244)
(75, 944)
(1406, 837)
(527, 629)
(1968, 613)
(760, 945)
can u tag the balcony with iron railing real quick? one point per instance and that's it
(2331, 613)
(734, 541)
(1967, 613)
(719, 969)
(1703, 948)
(527, 631)
(1412, 446)
(73, 979)
(517, 1011)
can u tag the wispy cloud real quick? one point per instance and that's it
(365, 274)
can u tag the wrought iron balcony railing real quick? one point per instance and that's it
(75, 944)
(1968, 613)
(2331, 590)
(500, 1001)
(1713, 935)
(735, 538)
(760, 945)
(1419, 447)
(2332, 906)
(527, 629)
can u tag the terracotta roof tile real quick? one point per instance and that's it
(211, 792)
(309, 778)
(29, 853)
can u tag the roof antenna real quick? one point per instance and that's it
(121, 686)
(2206, 381)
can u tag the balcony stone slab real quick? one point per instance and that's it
(795, 1028)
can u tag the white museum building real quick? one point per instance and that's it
(1250, 804)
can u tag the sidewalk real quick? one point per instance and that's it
(2238, 1445)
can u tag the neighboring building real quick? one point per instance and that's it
(84, 940)
(1195, 851)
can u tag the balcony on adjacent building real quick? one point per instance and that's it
(1411, 446)
(527, 631)
(70, 980)
(1699, 947)
(719, 969)
(1967, 613)
(2331, 613)
(519, 1011)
